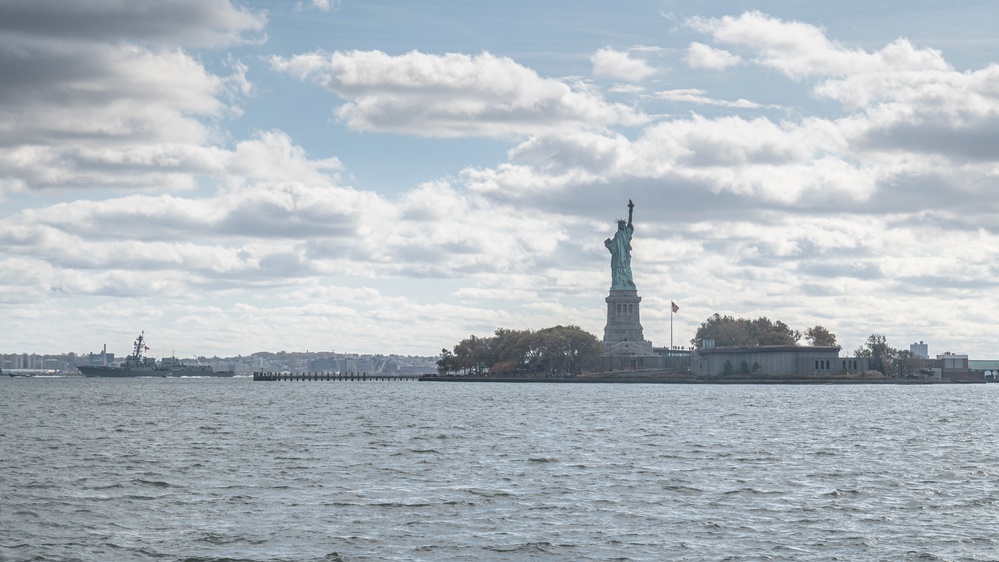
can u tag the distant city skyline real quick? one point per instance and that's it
(261, 361)
(391, 177)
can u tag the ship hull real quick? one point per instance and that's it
(119, 372)
(208, 372)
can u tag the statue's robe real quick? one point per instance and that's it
(620, 249)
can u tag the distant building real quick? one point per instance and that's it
(98, 359)
(775, 361)
(956, 368)
(919, 350)
(950, 360)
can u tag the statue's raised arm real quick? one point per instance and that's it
(631, 210)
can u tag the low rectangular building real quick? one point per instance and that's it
(775, 361)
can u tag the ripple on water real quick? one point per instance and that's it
(202, 469)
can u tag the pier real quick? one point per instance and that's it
(317, 376)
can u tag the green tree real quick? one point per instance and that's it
(474, 354)
(563, 349)
(583, 346)
(905, 363)
(767, 332)
(512, 348)
(819, 336)
(882, 355)
(728, 331)
(445, 365)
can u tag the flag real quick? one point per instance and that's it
(675, 307)
(147, 347)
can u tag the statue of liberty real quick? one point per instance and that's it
(620, 249)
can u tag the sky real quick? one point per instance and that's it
(391, 177)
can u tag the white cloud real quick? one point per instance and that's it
(452, 95)
(618, 65)
(800, 50)
(80, 107)
(700, 55)
(693, 95)
(757, 159)
(326, 5)
(905, 98)
(280, 214)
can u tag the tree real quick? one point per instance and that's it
(728, 331)
(446, 363)
(563, 349)
(882, 355)
(474, 354)
(725, 330)
(819, 336)
(512, 348)
(583, 346)
(906, 363)
(766, 332)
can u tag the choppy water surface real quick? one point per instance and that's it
(229, 469)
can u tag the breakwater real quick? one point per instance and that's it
(625, 377)
(658, 377)
(317, 376)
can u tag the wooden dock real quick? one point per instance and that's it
(262, 376)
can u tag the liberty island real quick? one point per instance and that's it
(624, 355)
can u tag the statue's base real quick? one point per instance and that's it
(623, 333)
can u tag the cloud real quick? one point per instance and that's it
(822, 212)
(279, 214)
(693, 95)
(96, 93)
(452, 95)
(618, 65)
(787, 164)
(326, 5)
(801, 50)
(700, 55)
(193, 23)
(899, 98)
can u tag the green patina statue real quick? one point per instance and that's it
(620, 249)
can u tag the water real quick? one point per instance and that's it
(229, 469)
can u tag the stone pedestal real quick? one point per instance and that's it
(623, 333)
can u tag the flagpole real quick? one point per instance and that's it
(671, 325)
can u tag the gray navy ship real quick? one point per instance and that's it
(137, 365)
